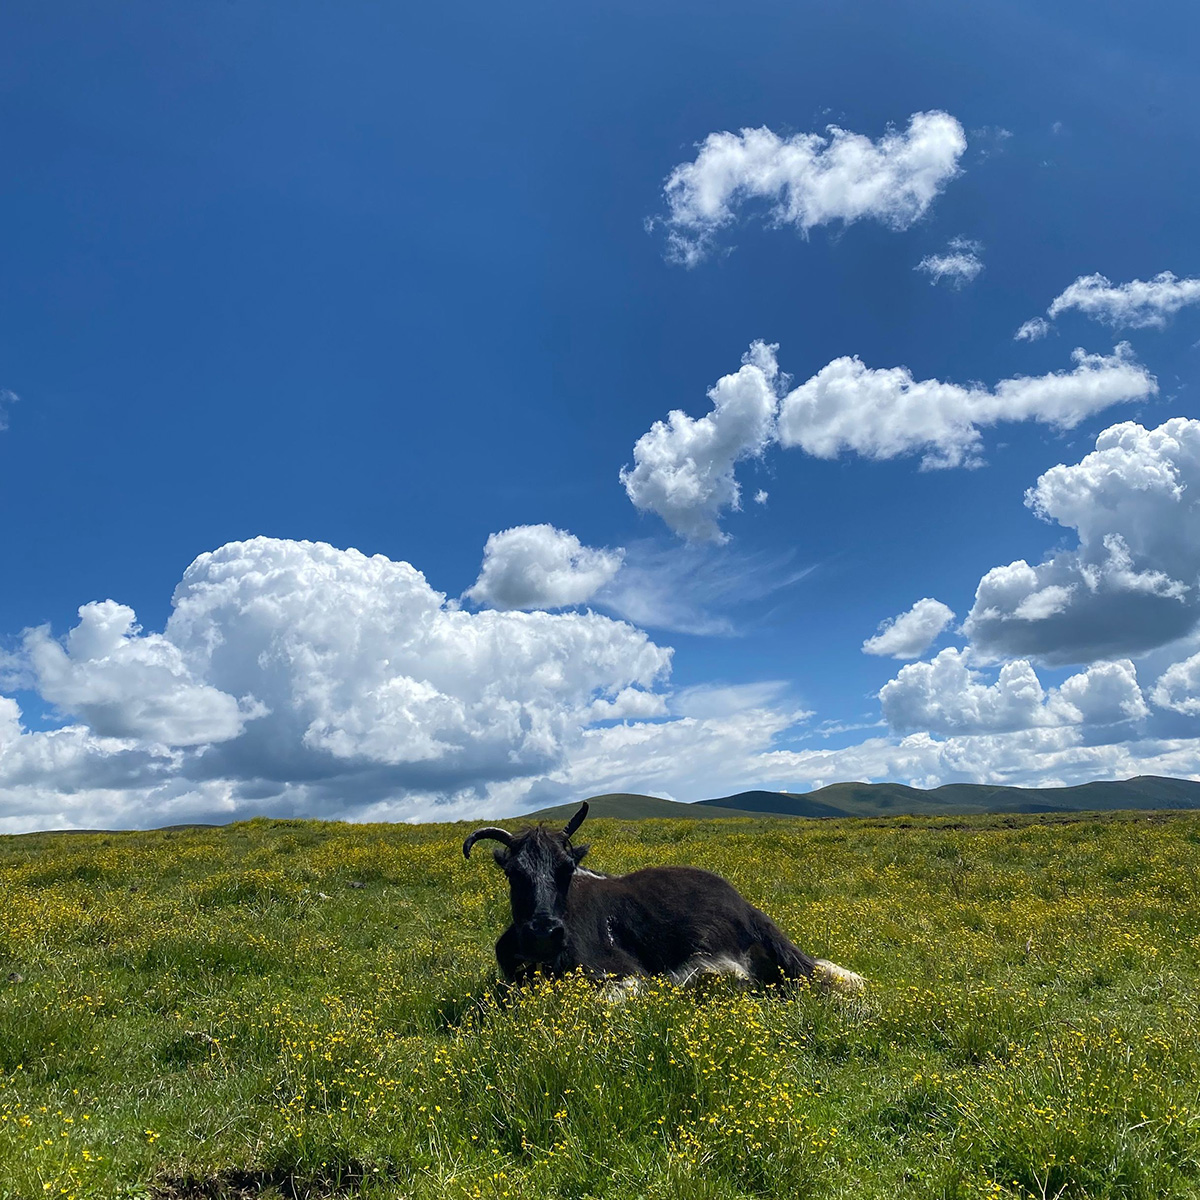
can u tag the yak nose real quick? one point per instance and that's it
(545, 927)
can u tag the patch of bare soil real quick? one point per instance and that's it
(239, 1184)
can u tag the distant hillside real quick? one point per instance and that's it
(963, 799)
(896, 799)
(628, 806)
(791, 804)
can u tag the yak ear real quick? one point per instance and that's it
(577, 853)
(500, 854)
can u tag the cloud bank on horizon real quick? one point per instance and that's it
(294, 678)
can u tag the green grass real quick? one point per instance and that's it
(294, 1008)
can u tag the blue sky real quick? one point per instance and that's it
(396, 281)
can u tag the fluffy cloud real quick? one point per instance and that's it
(1178, 687)
(367, 695)
(809, 180)
(947, 696)
(728, 741)
(360, 659)
(1105, 694)
(885, 413)
(538, 566)
(1131, 582)
(123, 684)
(629, 702)
(369, 688)
(1055, 756)
(959, 266)
(1138, 304)
(683, 467)
(1135, 305)
(708, 757)
(911, 633)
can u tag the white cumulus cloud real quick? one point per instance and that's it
(539, 566)
(809, 180)
(1104, 694)
(371, 694)
(684, 467)
(911, 633)
(628, 702)
(366, 694)
(948, 696)
(1178, 687)
(1046, 756)
(125, 684)
(360, 659)
(885, 413)
(1130, 584)
(1138, 304)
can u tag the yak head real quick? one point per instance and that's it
(540, 864)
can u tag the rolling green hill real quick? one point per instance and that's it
(897, 799)
(629, 806)
(963, 799)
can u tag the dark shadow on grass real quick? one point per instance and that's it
(468, 1010)
(342, 1180)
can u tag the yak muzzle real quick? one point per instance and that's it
(543, 938)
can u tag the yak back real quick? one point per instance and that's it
(663, 917)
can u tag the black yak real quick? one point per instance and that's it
(678, 922)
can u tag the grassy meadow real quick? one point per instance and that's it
(305, 1009)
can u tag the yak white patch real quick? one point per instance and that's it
(696, 968)
(837, 979)
(620, 990)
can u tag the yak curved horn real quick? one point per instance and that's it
(574, 823)
(497, 835)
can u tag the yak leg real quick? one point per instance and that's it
(513, 967)
(619, 973)
(774, 958)
(771, 957)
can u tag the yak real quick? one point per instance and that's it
(678, 922)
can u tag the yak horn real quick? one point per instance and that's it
(497, 835)
(574, 823)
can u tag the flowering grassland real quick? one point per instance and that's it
(310, 1009)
